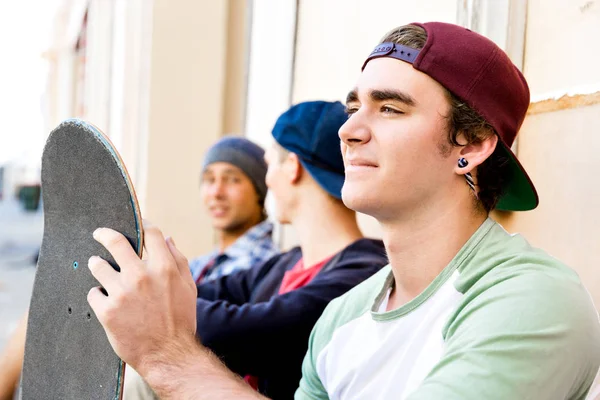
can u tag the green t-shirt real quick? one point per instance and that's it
(502, 321)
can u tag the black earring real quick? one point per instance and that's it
(470, 182)
(469, 178)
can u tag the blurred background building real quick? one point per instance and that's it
(166, 78)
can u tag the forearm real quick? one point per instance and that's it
(193, 372)
(11, 361)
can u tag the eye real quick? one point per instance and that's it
(351, 110)
(207, 180)
(390, 110)
(232, 180)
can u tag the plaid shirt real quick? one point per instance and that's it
(252, 248)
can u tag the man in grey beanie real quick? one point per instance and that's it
(233, 191)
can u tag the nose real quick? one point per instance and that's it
(217, 188)
(355, 130)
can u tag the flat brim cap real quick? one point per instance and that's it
(478, 72)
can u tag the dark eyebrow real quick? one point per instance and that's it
(352, 96)
(231, 171)
(224, 171)
(385, 95)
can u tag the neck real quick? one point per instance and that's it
(226, 239)
(324, 227)
(421, 246)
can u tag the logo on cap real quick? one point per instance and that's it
(389, 49)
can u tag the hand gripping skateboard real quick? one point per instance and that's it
(85, 186)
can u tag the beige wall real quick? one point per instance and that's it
(560, 148)
(59, 96)
(562, 50)
(335, 36)
(99, 51)
(185, 114)
(560, 152)
(234, 97)
(196, 88)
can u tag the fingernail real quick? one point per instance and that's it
(170, 239)
(91, 260)
(96, 232)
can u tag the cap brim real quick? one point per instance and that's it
(330, 181)
(519, 194)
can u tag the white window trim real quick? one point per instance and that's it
(270, 73)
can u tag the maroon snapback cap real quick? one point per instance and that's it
(478, 72)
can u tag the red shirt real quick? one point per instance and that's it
(293, 279)
(299, 276)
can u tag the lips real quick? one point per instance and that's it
(218, 211)
(360, 163)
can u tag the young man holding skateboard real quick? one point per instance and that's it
(464, 311)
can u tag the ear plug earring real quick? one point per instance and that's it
(462, 162)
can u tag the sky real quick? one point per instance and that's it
(25, 27)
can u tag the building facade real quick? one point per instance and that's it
(166, 78)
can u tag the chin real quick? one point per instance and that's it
(282, 219)
(220, 226)
(221, 223)
(358, 199)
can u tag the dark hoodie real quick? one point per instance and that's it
(255, 331)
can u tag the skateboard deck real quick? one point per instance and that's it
(84, 186)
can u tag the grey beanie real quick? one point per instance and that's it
(244, 154)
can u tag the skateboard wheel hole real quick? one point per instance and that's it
(75, 264)
(70, 310)
(89, 316)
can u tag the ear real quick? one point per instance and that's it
(476, 154)
(292, 168)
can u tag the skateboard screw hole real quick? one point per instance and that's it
(70, 310)
(89, 316)
(75, 265)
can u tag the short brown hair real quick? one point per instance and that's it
(462, 120)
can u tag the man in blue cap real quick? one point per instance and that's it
(258, 321)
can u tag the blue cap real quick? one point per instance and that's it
(310, 130)
(244, 154)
